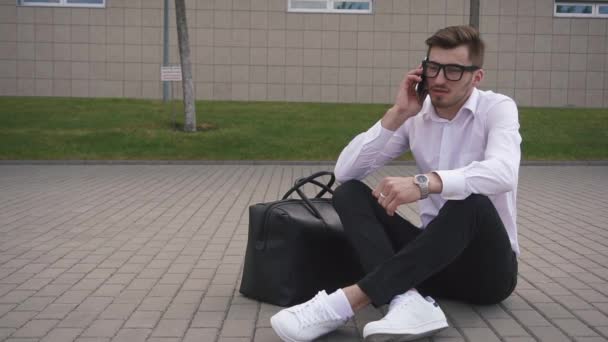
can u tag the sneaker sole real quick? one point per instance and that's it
(401, 336)
(278, 331)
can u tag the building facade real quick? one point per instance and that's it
(540, 52)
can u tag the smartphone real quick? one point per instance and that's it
(421, 87)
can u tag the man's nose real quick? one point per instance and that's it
(441, 76)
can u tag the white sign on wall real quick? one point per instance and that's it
(171, 73)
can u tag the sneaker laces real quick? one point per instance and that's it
(401, 301)
(316, 311)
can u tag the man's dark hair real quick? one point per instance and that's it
(454, 36)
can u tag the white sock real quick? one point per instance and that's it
(338, 301)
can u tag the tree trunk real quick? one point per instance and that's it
(184, 55)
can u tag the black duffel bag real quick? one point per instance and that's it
(297, 247)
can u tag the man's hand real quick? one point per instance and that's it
(395, 191)
(406, 104)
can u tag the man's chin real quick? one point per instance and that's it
(438, 101)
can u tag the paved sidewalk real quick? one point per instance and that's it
(154, 253)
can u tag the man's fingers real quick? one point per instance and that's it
(391, 206)
(376, 191)
(379, 188)
(413, 79)
(416, 71)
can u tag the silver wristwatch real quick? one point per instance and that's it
(423, 183)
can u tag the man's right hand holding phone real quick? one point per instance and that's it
(407, 102)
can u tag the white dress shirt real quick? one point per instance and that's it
(477, 152)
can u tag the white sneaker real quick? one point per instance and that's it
(306, 321)
(410, 316)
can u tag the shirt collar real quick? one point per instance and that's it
(428, 110)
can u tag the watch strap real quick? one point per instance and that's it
(423, 186)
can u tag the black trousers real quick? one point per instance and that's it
(464, 253)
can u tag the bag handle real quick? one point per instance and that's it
(308, 204)
(325, 188)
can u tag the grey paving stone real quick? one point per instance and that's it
(4, 308)
(200, 334)
(131, 335)
(574, 327)
(78, 319)
(62, 335)
(180, 311)
(73, 297)
(92, 339)
(103, 328)
(118, 311)
(188, 297)
(592, 317)
(95, 304)
(143, 319)
(554, 310)
(242, 312)
(6, 332)
(170, 328)
(237, 328)
(34, 304)
(480, 334)
(131, 243)
(16, 296)
(155, 303)
(214, 304)
(208, 319)
(16, 319)
(590, 339)
(53, 290)
(507, 327)
(549, 333)
(22, 340)
(530, 318)
(265, 335)
(35, 328)
(56, 311)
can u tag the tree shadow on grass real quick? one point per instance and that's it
(200, 127)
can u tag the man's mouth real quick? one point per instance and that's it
(439, 91)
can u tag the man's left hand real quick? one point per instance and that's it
(395, 191)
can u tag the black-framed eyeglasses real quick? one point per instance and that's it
(452, 72)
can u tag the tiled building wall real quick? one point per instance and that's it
(541, 60)
(255, 50)
(241, 49)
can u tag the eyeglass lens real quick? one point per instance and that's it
(451, 72)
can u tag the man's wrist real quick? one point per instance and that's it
(394, 118)
(435, 183)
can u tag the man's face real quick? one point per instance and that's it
(448, 96)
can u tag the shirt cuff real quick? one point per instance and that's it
(378, 134)
(453, 184)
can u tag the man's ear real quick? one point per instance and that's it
(478, 77)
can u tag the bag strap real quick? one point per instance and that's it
(325, 188)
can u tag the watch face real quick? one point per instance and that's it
(421, 178)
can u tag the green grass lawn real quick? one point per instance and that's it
(67, 128)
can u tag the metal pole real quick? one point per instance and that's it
(474, 14)
(166, 84)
